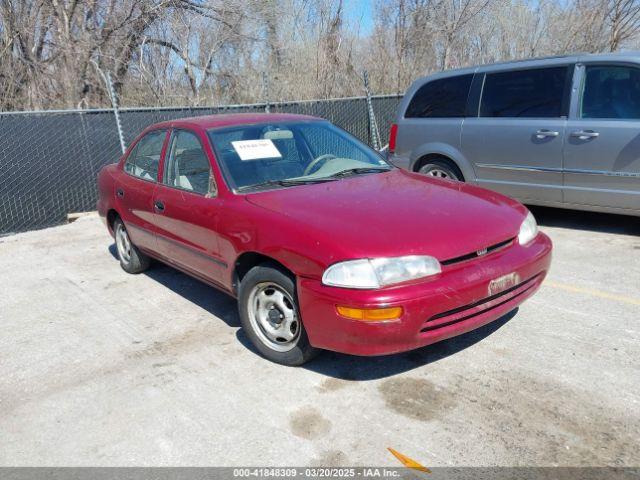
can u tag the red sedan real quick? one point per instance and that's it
(324, 244)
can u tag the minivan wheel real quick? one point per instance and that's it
(132, 260)
(441, 169)
(270, 317)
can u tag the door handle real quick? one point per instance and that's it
(585, 134)
(544, 133)
(159, 205)
(120, 192)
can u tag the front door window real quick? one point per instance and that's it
(611, 92)
(187, 166)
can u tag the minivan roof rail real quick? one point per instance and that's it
(549, 57)
(566, 55)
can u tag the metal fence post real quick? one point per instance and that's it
(114, 103)
(374, 133)
(265, 92)
(116, 111)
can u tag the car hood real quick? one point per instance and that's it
(396, 213)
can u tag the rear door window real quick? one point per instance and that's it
(144, 159)
(535, 93)
(443, 98)
(611, 92)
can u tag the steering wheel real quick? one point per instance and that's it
(316, 161)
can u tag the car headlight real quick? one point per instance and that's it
(528, 230)
(379, 272)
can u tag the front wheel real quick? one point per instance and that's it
(270, 316)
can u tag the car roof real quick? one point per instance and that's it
(230, 119)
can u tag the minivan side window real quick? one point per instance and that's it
(144, 159)
(611, 92)
(443, 98)
(535, 93)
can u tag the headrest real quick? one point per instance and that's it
(193, 161)
(278, 135)
(191, 155)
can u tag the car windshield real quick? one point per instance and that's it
(267, 155)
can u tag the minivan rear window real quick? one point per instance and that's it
(443, 98)
(536, 93)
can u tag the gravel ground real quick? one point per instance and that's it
(102, 368)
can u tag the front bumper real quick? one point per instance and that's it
(460, 299)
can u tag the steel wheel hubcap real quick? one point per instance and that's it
(437, 172)
(123, 243)
(273, 316)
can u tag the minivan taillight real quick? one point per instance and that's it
(392, 137)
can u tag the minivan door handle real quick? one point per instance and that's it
(159, 205)
(585, 134)
(544, 133)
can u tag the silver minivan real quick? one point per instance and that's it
(561, 131)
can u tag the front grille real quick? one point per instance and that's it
(465, 312)
(471, 256)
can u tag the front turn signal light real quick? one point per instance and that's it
(370, 314)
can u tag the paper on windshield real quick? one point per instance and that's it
(256, 149)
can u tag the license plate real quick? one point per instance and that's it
(503, 283)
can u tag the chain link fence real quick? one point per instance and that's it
(49, 160)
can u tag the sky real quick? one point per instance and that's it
(360, 11)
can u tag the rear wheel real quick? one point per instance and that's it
(441, 168)
(132, 260)
(270, 316)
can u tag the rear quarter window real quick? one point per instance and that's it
(443, 98)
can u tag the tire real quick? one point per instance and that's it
(441, 169)
(279, 336)
(132, 260)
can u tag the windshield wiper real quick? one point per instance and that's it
(305, 181)
(281, 183)
(358, 171)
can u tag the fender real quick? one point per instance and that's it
(446, 150)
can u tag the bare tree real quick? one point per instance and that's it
(454, 16)
(624, 19)
(195, 52)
